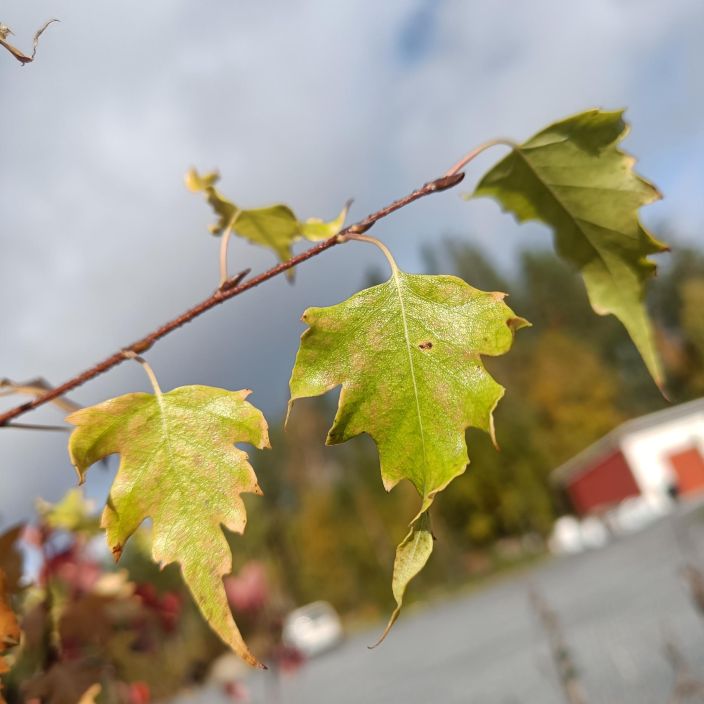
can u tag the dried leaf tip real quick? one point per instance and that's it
(19, 55)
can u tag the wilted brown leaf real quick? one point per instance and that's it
(9, 627)
(10, 558)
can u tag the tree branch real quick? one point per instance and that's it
(225, 293)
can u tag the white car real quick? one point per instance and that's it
(312, 629)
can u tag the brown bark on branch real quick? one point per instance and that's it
(229, 290)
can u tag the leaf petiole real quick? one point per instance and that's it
(224, 245)
(378, 243)
(129, 354)
(469, 156)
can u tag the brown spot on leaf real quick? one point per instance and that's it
(116, 552)
(426, 345)
(516, 323)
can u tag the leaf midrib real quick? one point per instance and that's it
(565, 209)
(177, 481)
(415, 542)
(397, 282)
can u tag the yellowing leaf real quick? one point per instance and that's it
(316, 229)
(274, 226)
(573, 177)
(411, 555)
(180, 468)
(89, 696)
(224, 209)
(408, 356)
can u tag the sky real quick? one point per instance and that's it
(309, 102)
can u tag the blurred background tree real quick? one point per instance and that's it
(326, 529)
(327, 525)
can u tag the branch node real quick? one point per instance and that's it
(137, 348)
(444, 182)
(234, 281)
(360, 228)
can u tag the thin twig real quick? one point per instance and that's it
(35, 426)
(35, 387)
(224, 294)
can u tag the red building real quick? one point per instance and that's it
(654, 457)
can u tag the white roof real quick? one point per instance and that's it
(612, 440)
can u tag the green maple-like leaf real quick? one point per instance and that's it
(274, 226)
(408, 356)
(573, 177)
(179, 467)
